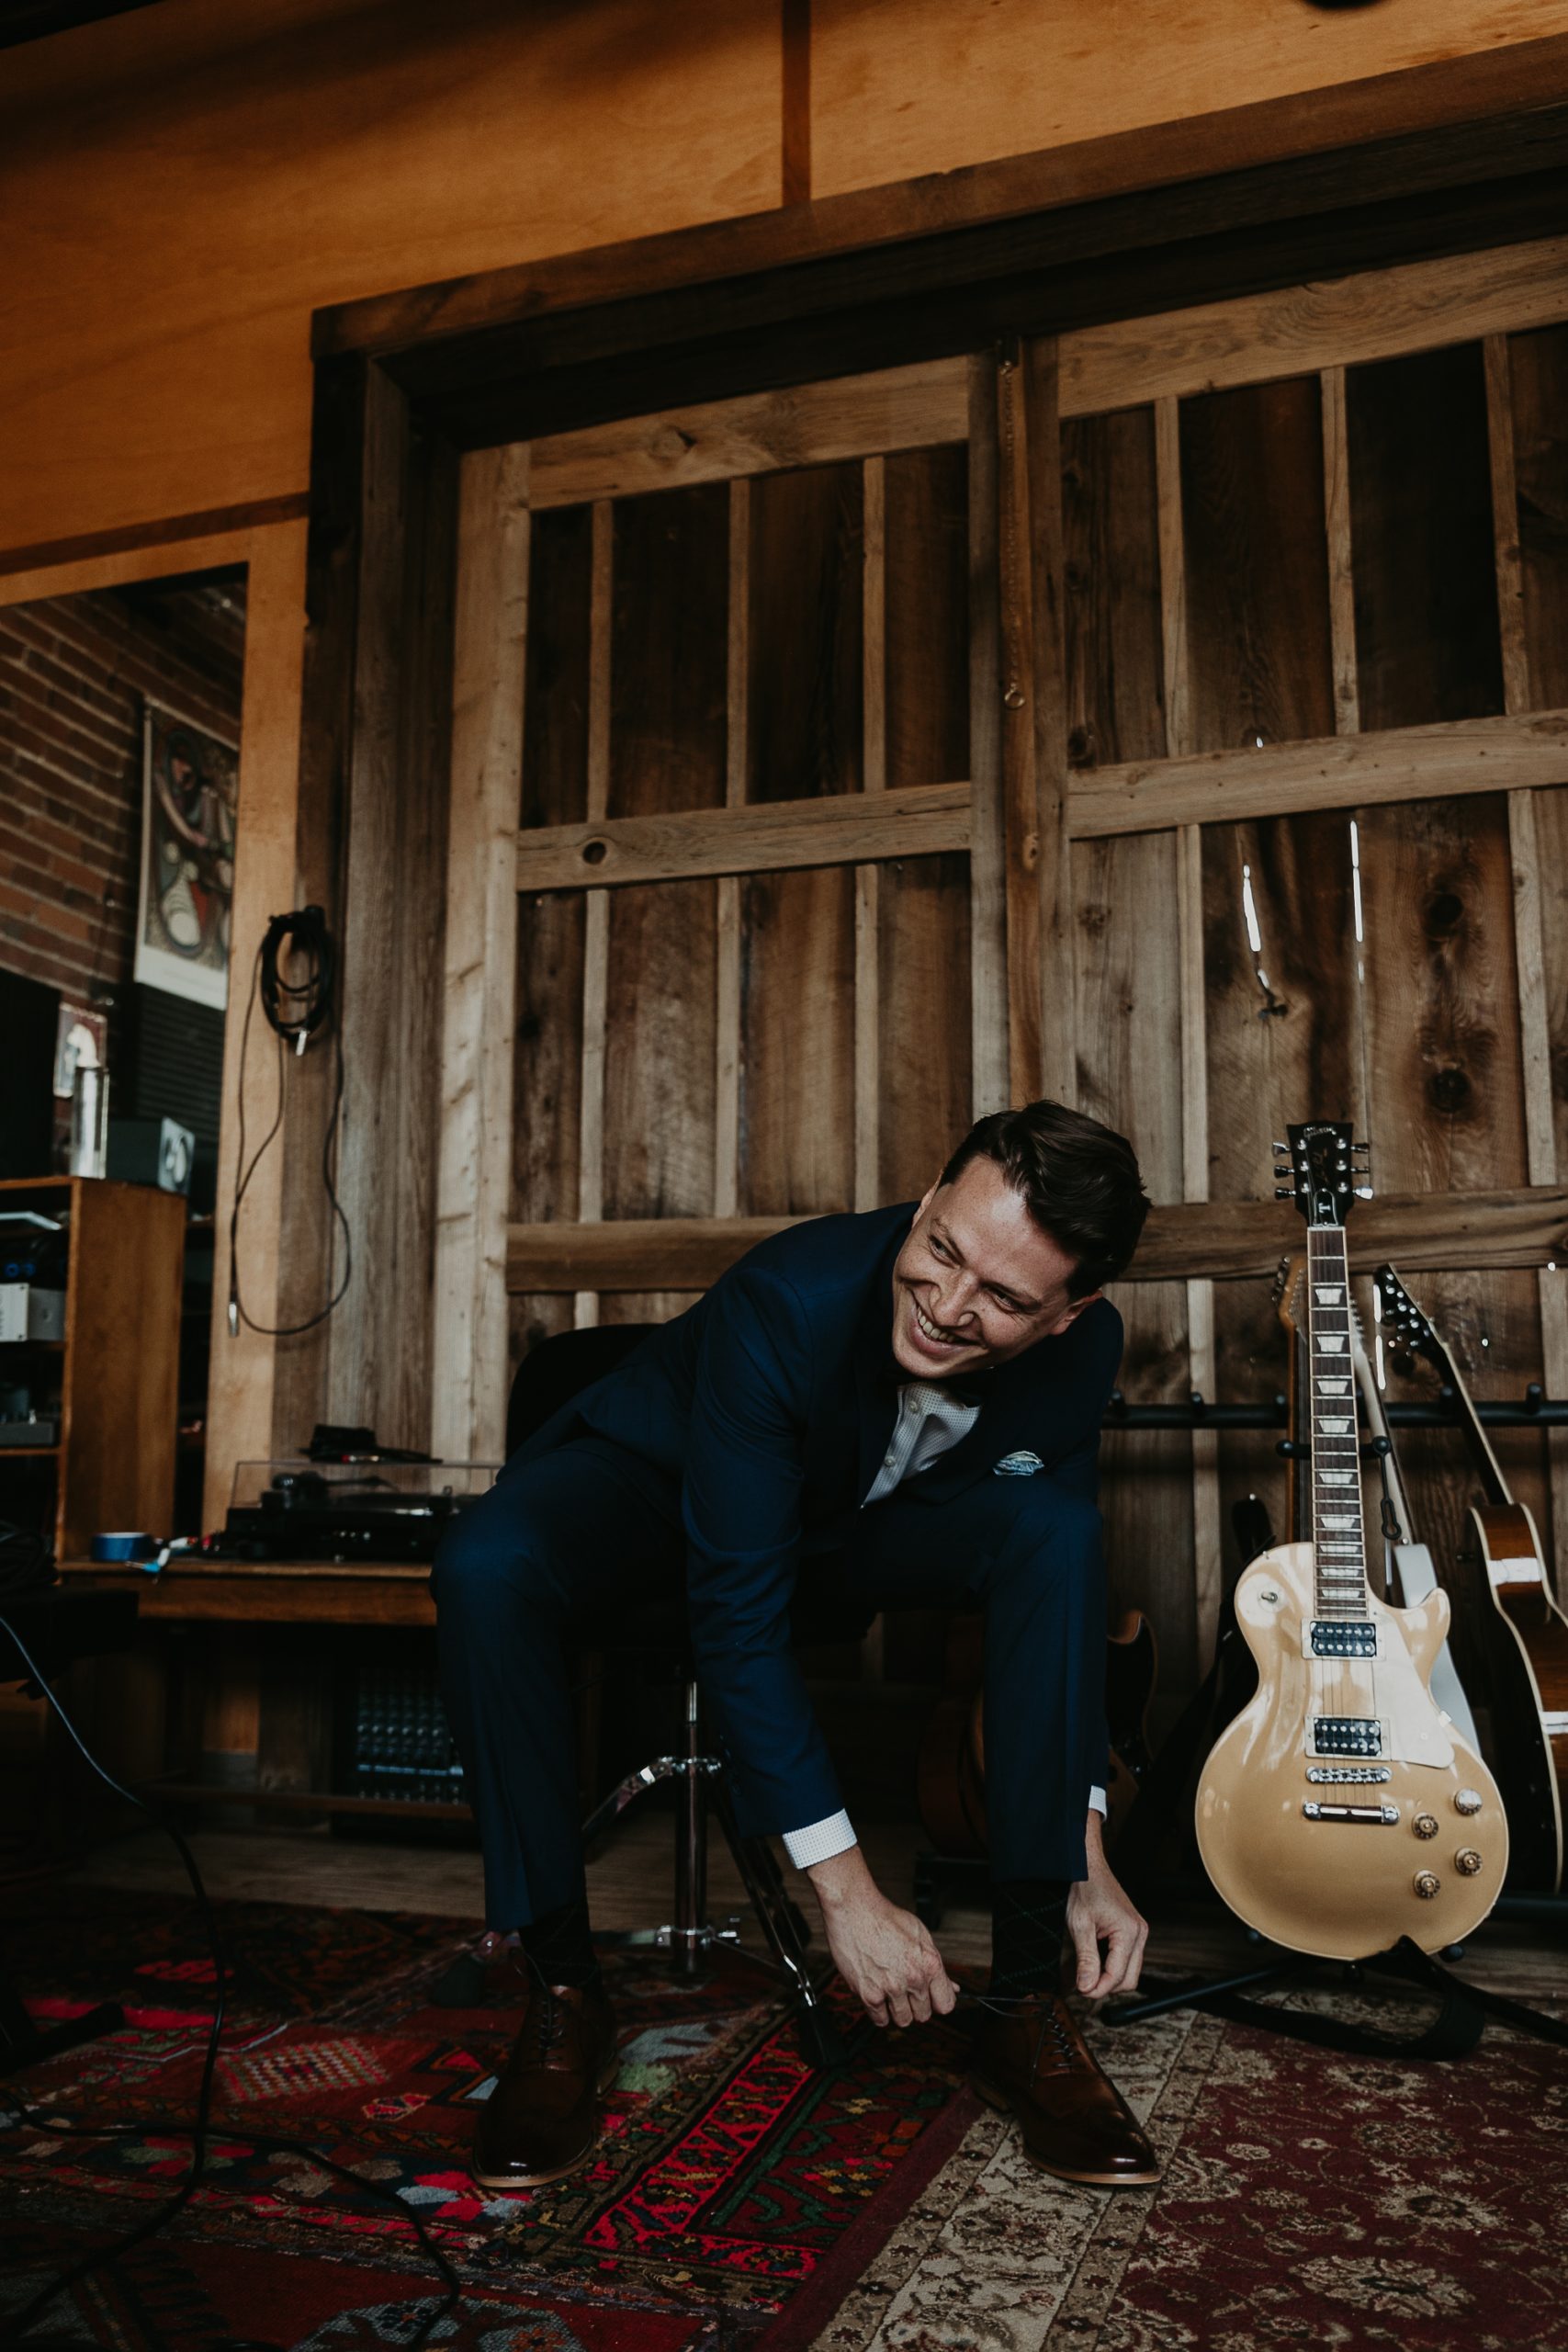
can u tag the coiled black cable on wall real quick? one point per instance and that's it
(295, 1011)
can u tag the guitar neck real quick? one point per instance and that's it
(1337, 1530)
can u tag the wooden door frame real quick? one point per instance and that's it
(1448, 159)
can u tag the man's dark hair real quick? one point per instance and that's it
(1079, 1183)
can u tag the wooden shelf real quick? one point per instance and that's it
(269, 1593)
(27, 1453)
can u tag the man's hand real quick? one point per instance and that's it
(1099, 1912)
(884, 1955)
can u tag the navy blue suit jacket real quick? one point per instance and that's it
(771, 1402)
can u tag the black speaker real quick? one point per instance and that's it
(175, 1072)
(29, 1018)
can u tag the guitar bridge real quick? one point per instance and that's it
(1347, 1735)
(1359, 1775)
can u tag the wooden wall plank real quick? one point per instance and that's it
(1175, 652)
(1331, 323)
(798, 1043)
(392, 922)
(806, 651)
(669, 750)
(241, 1381)
(469, 1352)
(926, 1092)
(927, 1085)
(988, 868)
(1342, 573)
(1115, 668)
(1234, 1241)
(1130, 1075)
(1399, 763)
(1443, 1003)
(1259, 663)
(1426, 637)
(596, 908)
(736, 756)
(802, 424)
(867, 980)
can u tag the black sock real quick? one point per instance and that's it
(560, 1947)
(1029, 1921)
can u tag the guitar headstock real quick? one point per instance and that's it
(1317, 1170)
(1404, 1322)
(1289, 1299)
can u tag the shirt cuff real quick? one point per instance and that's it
(1097, 1801)
(820, 1840)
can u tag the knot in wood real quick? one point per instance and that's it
(1449, 1089)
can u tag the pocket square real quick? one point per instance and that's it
(1018, 1466)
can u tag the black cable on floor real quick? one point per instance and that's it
(16, 2323)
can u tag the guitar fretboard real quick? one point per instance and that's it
(1339, 1538)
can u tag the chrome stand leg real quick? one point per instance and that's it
(759, 1875)
(690, 1934)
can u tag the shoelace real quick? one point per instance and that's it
(550, 2023)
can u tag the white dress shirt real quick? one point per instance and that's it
(931, 1419)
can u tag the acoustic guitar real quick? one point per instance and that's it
(1523, 1633)
(1340, 1811)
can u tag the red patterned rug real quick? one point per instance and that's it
(727, 2174)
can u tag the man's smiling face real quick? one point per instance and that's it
(976, 1282)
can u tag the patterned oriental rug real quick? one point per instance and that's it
(727, 2174)
(739, 2203)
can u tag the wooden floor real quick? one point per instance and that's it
(629, 1886)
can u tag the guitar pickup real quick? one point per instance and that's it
(1381, 1817)
(1332, 1637)
(1347, 1735)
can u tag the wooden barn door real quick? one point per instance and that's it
(746, 840)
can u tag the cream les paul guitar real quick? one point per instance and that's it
(1340, 1810)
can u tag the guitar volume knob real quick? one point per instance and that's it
(1426, 1883)
(1467, 1861)
(1425, 1825)
(1467, 1800)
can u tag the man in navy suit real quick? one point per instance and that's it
(909, 1401)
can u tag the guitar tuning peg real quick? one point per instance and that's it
(1284, 1192)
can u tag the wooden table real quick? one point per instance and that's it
(296, 1593)
(302, 1592)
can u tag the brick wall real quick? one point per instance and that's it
(74, 672)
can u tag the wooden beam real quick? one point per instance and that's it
(768, 836)
(198, 542)
(469, 1354)
(986, 835)
(1332, 772)
(1223, 1240)
(1324, 137)
(1300, 330)
(804, 424)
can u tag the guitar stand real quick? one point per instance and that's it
(1454, 2032)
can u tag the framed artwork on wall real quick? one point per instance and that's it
(189, 795)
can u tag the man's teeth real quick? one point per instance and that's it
(929, 1327)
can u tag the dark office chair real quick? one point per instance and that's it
(550, 1375)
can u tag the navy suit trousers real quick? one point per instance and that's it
(568, 1536)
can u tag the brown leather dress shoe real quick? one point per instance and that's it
(542, 2119)
(1076, 2123)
